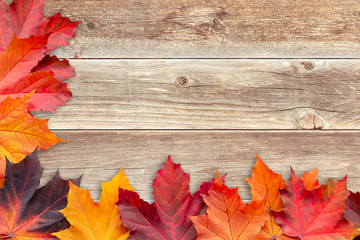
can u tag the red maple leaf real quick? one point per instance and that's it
(25, 18)
(27, 212)
(61, 69)
(352, 209)
(16, 79)
(315, 214)
(166, 218)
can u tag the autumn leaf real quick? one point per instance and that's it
(228, 217)
(315, 214)
(27, 212)
(310, 180)
(61, 69)
(21, 56)
(352, 209)
(20, 132)
(166, 218)
(265, 183)
(18, 61)
(92, 221)
(25, 18)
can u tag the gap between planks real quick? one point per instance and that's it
(109, 59)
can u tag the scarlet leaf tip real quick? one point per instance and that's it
(292, 171)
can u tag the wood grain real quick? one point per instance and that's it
(212, 29)
(212, 94)
(100, 154)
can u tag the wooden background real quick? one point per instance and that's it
(212, 83)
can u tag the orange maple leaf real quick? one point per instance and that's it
(20, 132)
(95, 221)
(228, 217)
(265, 183)
(310, 180)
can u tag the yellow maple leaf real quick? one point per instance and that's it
(95, 221)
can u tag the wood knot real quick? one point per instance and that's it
(91, 25)
(217, 24)
(304, 67)
(308, 65)
(311, 121)
(182, 81)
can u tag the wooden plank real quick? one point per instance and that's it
(212, 29)
(212, 94)
(100, 154)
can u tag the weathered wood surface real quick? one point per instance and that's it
(212, 29)
(209, 94)
(100, 154)
(212, 94)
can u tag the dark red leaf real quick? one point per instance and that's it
(352, 209)
(27, 212)
(167, 218)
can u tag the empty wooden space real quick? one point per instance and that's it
(217, 28)
(276, 77)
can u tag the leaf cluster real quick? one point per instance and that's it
(30, 78)
(297, 209)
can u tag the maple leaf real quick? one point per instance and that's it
(18, 61)
(25, 18)
(315, 214)
(20, 132)
(310, 180)
(61, 69)
(166, 218)
(352, 209)
(265, 183)
(27, 212)
(92, 221)
(228, 217)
